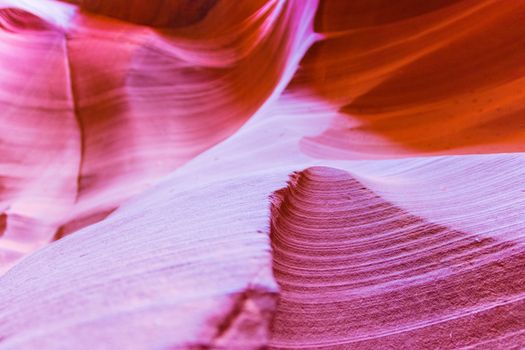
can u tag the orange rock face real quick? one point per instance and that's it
(219, 174)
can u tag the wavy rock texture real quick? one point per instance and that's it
(262, 174)
(356, 271)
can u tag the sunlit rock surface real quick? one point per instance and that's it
(219, 174)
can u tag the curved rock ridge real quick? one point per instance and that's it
(433, 77)
(146, 149)
(133, 130)
(355, 271)
(109, 131)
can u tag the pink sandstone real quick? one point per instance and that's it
(283, 174)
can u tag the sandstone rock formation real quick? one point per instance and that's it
(256, 174)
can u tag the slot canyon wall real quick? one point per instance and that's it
(262, 174)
